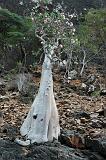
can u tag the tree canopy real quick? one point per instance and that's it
(23, 31)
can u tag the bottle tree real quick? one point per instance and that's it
(53, 30)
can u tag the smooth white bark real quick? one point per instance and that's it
(83, 63)
(42, 122)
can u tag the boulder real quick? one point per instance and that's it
(72, 75)
(2, 87)
(71, 138)
(62, 65)
(103, 92)
(91, 79)
(1, 119)
(12, 85)
(82, 114)
(91, 89)
(95, 123)
(96, 145)
(4, 98)
(48, 151)
(83, 86)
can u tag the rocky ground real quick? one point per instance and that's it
(47, 151)
(82, 121)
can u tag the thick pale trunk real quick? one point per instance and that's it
(42, 122)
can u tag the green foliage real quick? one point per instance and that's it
(96, 93)
(96, 20)
(13, 27)
(22, 32)
(17, 29)
(80, 5)
(92, 32)
(11, 17)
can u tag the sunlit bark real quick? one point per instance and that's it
(42, 122)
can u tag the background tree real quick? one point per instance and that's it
(17, 35)
(20, 7)
(91, 37)
(80, 5)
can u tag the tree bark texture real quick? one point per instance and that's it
(42, 122)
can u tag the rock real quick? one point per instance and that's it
(82, 114)
(9, 130)
(47, 151)
(103, 92)
(2, 91)
(91, 79)
(12, 86)
(94, 115)
(95, 133)
(93, 155)
(75, 103)
(2, 83)
(22, 81)
(82, 89)
(62, 66)
(71, 138)
(72, 75)
(14, 95)
(104, 123)
(83, 120)
(26, 86)
(32, 90)
(1, 118)
(10, 151)
(95, 123)
(29, 94)
(67, 101)
(96, 145)
(81, 129)
(91, 89)
(87, 98)
(37, 74)
(101, 112)
(26, 99)
(105, 111)
(2, 87)
(83, 86)
(4, 98)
